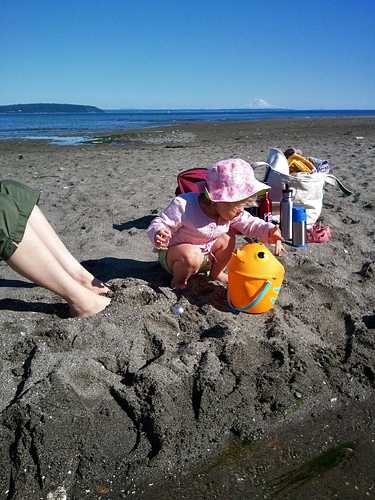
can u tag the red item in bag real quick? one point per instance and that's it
(264, 208)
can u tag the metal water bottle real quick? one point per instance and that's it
(299, 227)
(264, 208)
(286, 206)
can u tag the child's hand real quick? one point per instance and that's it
(162, 238)
(277, 239)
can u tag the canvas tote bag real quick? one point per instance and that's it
(307, 189)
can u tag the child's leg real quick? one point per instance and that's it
(222, 251)
(183, 260)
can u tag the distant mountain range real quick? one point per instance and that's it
(49, 108)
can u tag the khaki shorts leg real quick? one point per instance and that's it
(204, 268)
(16, 204)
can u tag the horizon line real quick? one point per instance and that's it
(244, 108)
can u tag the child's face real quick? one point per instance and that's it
(229, 211)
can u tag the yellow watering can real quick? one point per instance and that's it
(254, 279)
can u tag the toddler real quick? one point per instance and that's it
(194, 233)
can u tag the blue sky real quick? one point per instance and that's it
(157, 54)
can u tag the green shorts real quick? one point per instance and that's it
(204, 268)
(16, 204)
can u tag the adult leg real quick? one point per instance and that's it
(47, 235)
(222, 250)
(34, 260)
(183, 260)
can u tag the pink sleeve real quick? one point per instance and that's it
(170, 218)
(253, 227)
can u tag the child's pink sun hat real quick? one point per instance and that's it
(232, 180)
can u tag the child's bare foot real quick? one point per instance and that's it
(179, 286)
(97, 304)
(222, 277)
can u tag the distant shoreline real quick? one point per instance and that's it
(74, 128)
(48, 108)
(52, 108)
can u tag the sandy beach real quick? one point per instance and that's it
(139, 401)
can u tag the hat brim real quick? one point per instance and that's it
(256, 187)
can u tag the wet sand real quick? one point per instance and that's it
(137, 395)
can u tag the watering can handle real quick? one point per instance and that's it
(260, 296)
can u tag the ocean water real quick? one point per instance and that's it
(74, 128)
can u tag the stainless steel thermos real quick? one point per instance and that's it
(286, 206)
(299, 227)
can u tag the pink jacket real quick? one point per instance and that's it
(189, 224)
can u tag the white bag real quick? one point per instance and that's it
(308, 190)
(277, 160)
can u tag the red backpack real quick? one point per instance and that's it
(187, 180)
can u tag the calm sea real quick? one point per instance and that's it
(73, 128)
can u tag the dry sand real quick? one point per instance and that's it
(137, 400)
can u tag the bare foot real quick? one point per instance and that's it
(86, 279)
(96, 305)
(179, 286)
(99, 287)
(222, 277)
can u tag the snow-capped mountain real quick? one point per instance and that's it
(259, 104)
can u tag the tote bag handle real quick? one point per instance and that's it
(263, 164)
